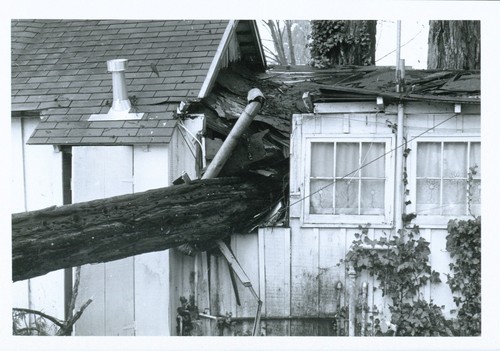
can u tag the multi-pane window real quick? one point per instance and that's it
(348, 178)
(448, 178)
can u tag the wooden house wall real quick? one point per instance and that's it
(36, 182)
(296, 270)
(130, 296)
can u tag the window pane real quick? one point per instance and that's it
(428, 193)
(370, 152)
(475, 158)
(346, 197)
(372, 197)
(455, 160)
(347, 159)
(321, 200)
(429, 160)
(322, 159)
(454, 197)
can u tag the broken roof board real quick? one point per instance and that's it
(59, 70)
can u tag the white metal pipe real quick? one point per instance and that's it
(255, 97)
(351, 293)
(398, 194)
(121, 103)
(398, 48)
(364, 304)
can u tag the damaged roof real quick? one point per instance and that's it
(284, 89)
(352, 82)
(59, 72)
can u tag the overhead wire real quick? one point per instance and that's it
(409, 41)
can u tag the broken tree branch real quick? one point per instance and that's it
(122, 226)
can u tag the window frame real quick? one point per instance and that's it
(438, 220)
(385, 219)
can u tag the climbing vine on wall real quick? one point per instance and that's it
(342, 43)
(401, 264)
(463, 242)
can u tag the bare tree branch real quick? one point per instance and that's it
(67, 328)
(54, 320)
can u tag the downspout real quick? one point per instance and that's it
(364, 307)
(398, 193)
(255, 100)
(398, 201)
(351, 293)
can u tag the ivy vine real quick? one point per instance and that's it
(464, 245)
(401, 264)
(342, 43)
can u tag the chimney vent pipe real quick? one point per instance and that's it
(121, 103)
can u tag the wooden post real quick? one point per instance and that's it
(351, 293)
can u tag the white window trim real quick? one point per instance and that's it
(430, 220)
(313, 219)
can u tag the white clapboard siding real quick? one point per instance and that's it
(36, 183)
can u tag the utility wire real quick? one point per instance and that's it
(409, 41)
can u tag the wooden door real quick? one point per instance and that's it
(100, 172)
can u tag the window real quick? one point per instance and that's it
(348, 179)
(442, 172)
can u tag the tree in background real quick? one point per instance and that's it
(342, 43)
(454, 45)
(289, 39)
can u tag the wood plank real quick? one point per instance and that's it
(92, 321)
(331, 251)
(221, 292)
(440, 260)
(17, 186)
(246, 250)
(277, 279)
(304, 280)
(152, 269)
(203, 292)
(346, 107)
(43, 172)
(152, 294)
(38, 176)
(100, 172)
(119, 297)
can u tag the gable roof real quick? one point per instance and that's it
(59, 72)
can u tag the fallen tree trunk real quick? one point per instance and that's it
(122, 226)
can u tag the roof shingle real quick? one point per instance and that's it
(59, 69)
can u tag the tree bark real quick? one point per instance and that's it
(454, 45)
(343, 43)
(113, 228)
